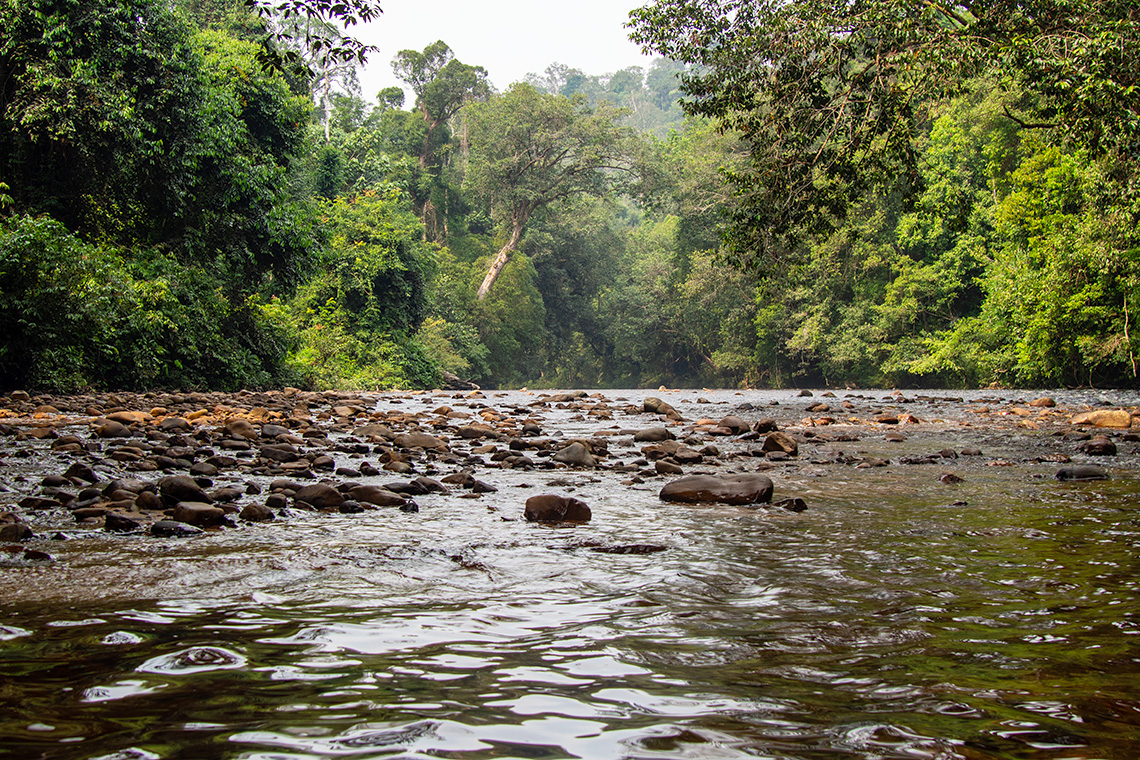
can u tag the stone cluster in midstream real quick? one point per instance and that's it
(150, 463)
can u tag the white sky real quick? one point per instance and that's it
(509, 38)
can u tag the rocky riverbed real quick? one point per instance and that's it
(570, 574)
(177, 465)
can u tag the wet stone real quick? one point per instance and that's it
(117, 523)
(748, 488)
(1082, 472)
(552, 508)
(199, 514)
(256, 513)
(174, 529)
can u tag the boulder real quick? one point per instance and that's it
(472, 432)
(242, 429)
(747, 488)
(181, 488)
(175, 425)
(777, 441)
(1045, 402)
(129, 418)
(1099, 446)
(420, 441)
(553, 508)
(112, 429)
(1110, 418)
(254, 512)
(655, 405)
(377, 495)
(15, 532)
(320, 495)
(117, 523)
(653, 435)
(173, 529)
(373, 431)
(734, 423)
(765, 425)
(1082, 472)
(198, 514)
(575, 455)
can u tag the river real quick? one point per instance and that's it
(897, 617)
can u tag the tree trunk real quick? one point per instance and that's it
(501, 259)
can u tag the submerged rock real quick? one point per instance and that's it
(174, 529)
(1082, 472)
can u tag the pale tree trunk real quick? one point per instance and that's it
(501, 259)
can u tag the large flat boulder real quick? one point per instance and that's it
(747, 488)
(1109, 418)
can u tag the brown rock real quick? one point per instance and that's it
(198, 514)
(15, 532)
(765, 425)
(553, 508)
(1110, 418)
(242, 429)
(129, 418)
(747, 488)
(653, 435)
(181, 488)
(734, 423)
(112, 429)
(175, 425)
(117, 523)
(777, 441)
(1044, 402)
(320, 495)
(377, 495)
(253, 512)
(575, 455)
(1099, 446)
(420, 441)
(373, 431)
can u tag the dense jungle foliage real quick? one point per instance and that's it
(198, 194)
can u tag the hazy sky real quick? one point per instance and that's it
(509, 38)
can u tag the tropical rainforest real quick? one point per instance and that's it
(197, 194)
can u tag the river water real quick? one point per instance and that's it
(898, 617)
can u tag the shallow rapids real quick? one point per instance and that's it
(899, 616)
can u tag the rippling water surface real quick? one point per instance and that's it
(897, 618)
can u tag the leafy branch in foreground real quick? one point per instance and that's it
(306, 22)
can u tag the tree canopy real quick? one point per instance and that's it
(831, 96)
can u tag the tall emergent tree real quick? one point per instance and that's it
(442, 86)
(829, 94)
(530, 150)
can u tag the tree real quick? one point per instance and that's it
(442, 85)
(829, 94)
(530, 150)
